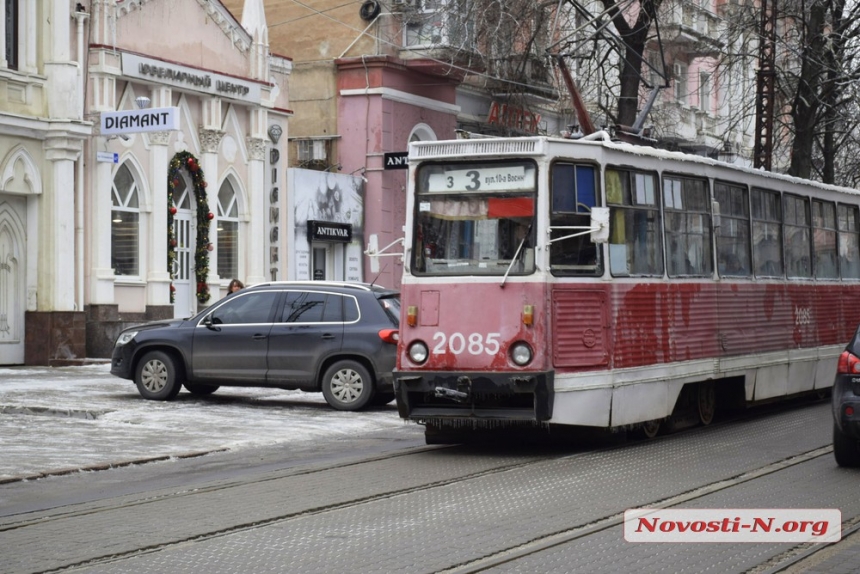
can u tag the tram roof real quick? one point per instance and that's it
(540, 145)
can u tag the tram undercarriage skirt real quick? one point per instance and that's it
(475, 398)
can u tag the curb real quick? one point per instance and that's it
(107, 466)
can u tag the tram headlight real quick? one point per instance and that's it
(521, 354)
(418, 352)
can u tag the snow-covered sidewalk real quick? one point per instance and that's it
(55, 419)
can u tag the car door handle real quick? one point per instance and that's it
(327, 336)
(259, 336)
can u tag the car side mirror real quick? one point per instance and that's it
(210, 323)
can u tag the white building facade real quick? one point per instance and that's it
(107, 224)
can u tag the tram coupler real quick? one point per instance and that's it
(458, 396)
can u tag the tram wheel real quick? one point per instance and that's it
(706, 402)
(650, 429)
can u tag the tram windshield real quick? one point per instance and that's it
(475, 219)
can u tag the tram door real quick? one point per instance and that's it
(185, 301)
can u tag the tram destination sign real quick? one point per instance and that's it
(483, 178)
(137, 121)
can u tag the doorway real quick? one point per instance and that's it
(12, 267)
(322, 265)
(184, 228)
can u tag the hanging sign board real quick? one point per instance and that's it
(138, 121)
(397, 160)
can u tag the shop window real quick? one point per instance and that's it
(228, 232)
(125, 224)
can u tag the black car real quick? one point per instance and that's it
(846, 405)
(338, 338)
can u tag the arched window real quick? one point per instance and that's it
(228, 232)
(125, 224)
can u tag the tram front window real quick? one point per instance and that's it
(476, 219)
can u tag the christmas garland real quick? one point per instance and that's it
(204, 216)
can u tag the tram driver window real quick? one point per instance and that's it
(688, 227)
(634, 223)
(573, 195)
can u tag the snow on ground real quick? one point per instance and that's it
(74, 417)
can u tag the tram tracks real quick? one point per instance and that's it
(559, 538)
(66, 517)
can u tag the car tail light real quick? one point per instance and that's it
(848, 364)
(390, 336)
(849, 411)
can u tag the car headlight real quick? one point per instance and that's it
(418, 352)
(125, 338)
(521, 354)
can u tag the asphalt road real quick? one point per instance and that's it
(376, 499)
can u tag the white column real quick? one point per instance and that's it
(158, 275)
(98, 197)
(210, 139)
(257, 200)
(99, 226)
(57, 259)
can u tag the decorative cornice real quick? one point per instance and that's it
(159, 138)
(256, 148)
(210, 139)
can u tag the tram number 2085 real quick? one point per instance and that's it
(472, 343)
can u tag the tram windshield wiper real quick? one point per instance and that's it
(516, 255)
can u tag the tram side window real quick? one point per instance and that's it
(798, 236)
(574, 193)
(634, 223)
(824, 240)
(848, 221)
(688, 227)
(767, 233)
(733, 234)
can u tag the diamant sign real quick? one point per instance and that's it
(137, 121)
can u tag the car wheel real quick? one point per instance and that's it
(157, 377)
(347, 386)
(198, 389)
(846, 449)
(380, 399)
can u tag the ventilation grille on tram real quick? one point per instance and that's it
(518, 146)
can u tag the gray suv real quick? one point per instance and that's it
(337, 338)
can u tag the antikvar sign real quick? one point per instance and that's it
(137, 121)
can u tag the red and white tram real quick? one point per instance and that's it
(593, 283)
